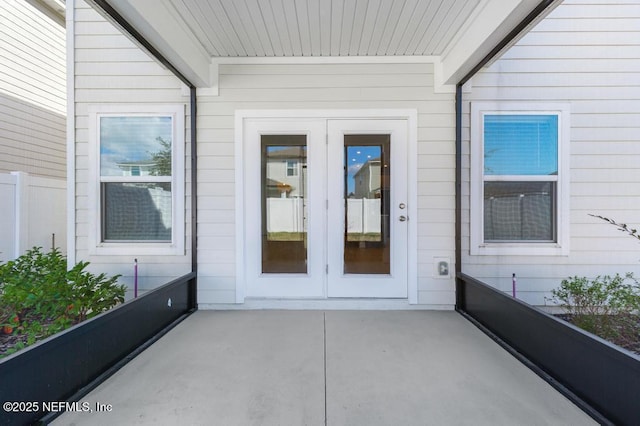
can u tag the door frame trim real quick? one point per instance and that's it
(410, 115)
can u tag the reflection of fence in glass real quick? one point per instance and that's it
(363, 219)
(137, 211)
(518, 217)
(285, 219)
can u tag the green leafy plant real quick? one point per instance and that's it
(606, 306)
(40, 297)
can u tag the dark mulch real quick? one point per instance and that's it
(8, 341)
(627, 338)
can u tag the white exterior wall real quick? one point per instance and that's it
(32, 91)
(111, 69)
(325, 86)
(584, 53)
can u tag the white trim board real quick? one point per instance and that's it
(71, 133)
(411, 115)
(438, 77)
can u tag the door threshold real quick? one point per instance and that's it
(324, 304)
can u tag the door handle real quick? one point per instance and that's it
(402, 218)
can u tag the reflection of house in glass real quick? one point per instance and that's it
(286, 171)
(367, 180)
(137, 168)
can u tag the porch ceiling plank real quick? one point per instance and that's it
(349, 22)
(313, 19)
(406, 15)
(379, 27)
(244, 28)
(282, 27)
(252, 18)
(270, 24)
(324, 8)
(302, 16)
(337, 7)
(357, 33)
(217, 12)
(390, 28)
(427, 11)
(294, 27)
(368, 27)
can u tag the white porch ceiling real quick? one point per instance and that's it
(324, 27)
(194, 34)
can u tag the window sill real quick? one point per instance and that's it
(137, 249)
(519, 249)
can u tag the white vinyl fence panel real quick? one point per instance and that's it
(33, 213)
(285, 215)
(363, 216)
(7, 217)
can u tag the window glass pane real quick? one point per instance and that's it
(367, 233)
(136, 211)
(519, 211)
(284, 203)
(135, 146)
(520, 145)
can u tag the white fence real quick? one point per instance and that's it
(32, 213)
(363, 216)
(287, 215)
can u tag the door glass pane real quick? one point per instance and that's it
(367, 197)
(284, 203)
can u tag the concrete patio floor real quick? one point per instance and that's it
(326, 368)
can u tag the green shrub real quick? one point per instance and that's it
(39, 297)
(606, 306)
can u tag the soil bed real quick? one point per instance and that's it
(8, 341)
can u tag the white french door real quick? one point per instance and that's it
(367, 216)
(325, 208)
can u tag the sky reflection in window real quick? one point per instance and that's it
(140, 143)
(521, 145)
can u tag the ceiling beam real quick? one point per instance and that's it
(158, 21)
(491, 21)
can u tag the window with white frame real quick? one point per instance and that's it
(138, 179)
(519, 182)
(292, 168)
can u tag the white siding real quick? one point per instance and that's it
(32, 91)
(586, 54)
(110, 69)
(330, 86)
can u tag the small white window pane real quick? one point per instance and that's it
(136, 211)
(519, 211)
(520, 144)
(135, 146)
